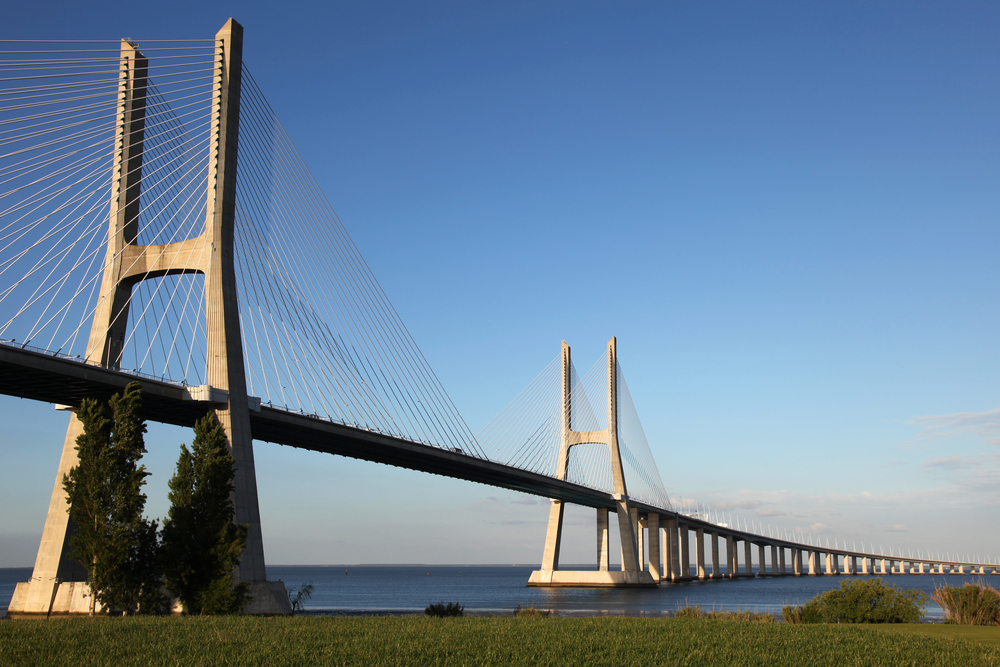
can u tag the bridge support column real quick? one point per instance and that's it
(781, 561)
(603, 542)
(761, 560)
(699, 547)
(685, 553)
(748, 558)
(865, 569)
(653, 526)
(638, 526)
(716, 567)
(797, 562)
(732, 566)
(774, 560)
(672, 545)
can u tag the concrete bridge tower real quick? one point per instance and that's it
(57, 583)
(629, 529)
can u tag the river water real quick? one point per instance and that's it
(366, 589)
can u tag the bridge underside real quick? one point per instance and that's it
(42, 377)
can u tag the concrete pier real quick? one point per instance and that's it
(716, 567)
(653, 524)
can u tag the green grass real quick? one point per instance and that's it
(467, 641)
(974, 633)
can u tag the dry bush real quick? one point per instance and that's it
(971, 604)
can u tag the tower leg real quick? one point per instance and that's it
(553, 537)
(53, 563)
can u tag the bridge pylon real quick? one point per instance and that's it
(58, 582)
(629, 528)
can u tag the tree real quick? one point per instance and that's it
(202, 547)
(104, 491)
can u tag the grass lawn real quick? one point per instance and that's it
(468, 641)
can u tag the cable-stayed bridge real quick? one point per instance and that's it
(157, 224)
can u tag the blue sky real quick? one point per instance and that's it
(786, 212)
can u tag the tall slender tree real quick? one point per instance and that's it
(104, 491)
(202, 547)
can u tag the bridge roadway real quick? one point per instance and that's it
(39, 375)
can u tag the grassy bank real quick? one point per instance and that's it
(467, 641)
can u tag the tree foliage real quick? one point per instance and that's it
(104, 491)
(860, 601)
(202, 546)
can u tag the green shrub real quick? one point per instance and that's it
(531, 612)
(860, 601)
(689, 612)
(971, 604)
(792, 614)
(297, 596)
(442, 610)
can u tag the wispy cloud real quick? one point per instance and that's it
(813, 529)
(952, 462)
(895, 528)
(984, 425)
(738, 505)
(771, 512)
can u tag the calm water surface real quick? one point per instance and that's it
(360, 589)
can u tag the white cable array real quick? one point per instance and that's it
(320, 336)
(58, 123)
(641, 473)
(526, 434)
